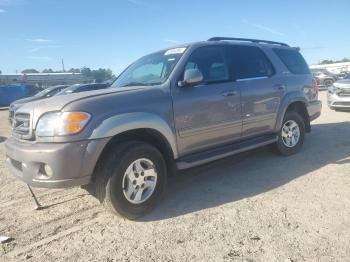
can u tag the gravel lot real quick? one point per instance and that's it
(252, 207)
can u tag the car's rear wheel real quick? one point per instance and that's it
(328, 82)
(132, 179)
(291, 135)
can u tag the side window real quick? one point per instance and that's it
(210, 61)
(293, 60)
(249, 62)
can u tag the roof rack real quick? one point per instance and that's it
(246, 40)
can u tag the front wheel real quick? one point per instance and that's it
(132, 179)
(291, 135)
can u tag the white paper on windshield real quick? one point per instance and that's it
(173, 51)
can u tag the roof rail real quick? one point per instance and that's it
(246, 40)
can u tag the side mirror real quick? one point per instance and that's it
(192, 77)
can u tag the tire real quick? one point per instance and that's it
(328, 82)
(281, 146)
(112, 181)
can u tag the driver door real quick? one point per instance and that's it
(209, 114)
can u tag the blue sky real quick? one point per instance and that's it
(111, 34)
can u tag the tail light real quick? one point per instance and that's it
(315, 85)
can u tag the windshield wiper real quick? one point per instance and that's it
(135, 84)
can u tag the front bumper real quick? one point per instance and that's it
(72, 164)
(335, 101)
(314, 109)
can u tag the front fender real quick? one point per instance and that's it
(131, 121)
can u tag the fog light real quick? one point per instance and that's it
(48, 170)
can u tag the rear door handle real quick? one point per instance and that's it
(229, 93)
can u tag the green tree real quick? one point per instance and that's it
(74, 70)
(30, 71)
(86, 71)
(47, 70)
(102, 75)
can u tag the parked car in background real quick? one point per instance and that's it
(175, 108)
(12, 92)
(339, 94)
(82, 88)
(48, 92)
(324, 77)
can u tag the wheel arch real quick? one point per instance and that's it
(298, 105)
(141, 127)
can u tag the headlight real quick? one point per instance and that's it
(61, 124)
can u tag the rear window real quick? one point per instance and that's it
(293, 60)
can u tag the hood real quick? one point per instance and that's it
(57, 103)
(24, 100)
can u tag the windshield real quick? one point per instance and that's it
(68, 90)
(150, 70)
(43, 92)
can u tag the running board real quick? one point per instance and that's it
(200, 158)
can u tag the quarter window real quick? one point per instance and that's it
(249, 62)
(293, 60)
(210, 61)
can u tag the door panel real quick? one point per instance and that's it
(206, 117)
(209, 114)
(260, 103)
(260, 90)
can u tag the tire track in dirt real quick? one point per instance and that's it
(47, 240)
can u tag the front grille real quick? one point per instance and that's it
(21, 124)
(344, 93)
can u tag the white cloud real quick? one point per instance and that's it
(38, 48)
(2, 11)
(39, 40)
(268, 29)
(263, 27)
(143, 4)
(45, 58)
(172, 41)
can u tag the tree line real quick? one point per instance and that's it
(323, 62)
(99, 75)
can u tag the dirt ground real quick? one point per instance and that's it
(252, 207)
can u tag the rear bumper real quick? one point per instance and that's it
(314, 109)
(72, 164)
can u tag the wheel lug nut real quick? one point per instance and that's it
(143, 185)
(134, 182)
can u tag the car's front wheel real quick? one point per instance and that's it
(132, 179)
(291, 135)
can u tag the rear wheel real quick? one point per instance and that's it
(291, 135)
(328, 82)
(132, 179)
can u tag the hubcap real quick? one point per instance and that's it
(290, 133)
(139, 181)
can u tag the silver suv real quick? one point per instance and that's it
(173, 109)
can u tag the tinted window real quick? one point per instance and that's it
(293, 60)
(210, 61)
(248, 62)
